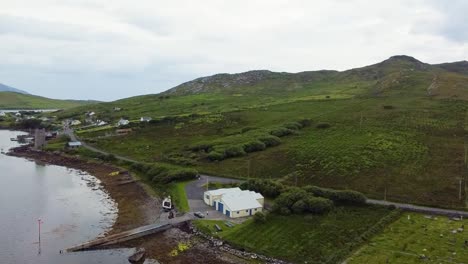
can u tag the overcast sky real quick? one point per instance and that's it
(106, 50)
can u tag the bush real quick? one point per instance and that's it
(260, 218)
(281, 132)
(299, 207)
(323, 125)
(344, 196)
(215, 156)
(254, 146)
(267, 188)
(287, 199)
(175, 175)
(317, 205)
(270, 140)
(293, 126)
(234, 151)
(201, 146)
(305, 122)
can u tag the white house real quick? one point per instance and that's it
(75, 123)
(2, 113)
(234, 202)
(123, 122)
(74, 144)
(145, 119)
(101, 123)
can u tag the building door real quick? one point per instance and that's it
(250, 212)
(220, 207)
(228, 213)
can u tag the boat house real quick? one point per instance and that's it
(234, 202)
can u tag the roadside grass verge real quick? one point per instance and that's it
(179, 196)
(414, 238)
(302, 238)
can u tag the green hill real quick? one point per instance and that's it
(13, 100)
(393, 130)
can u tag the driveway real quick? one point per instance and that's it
(195, 190)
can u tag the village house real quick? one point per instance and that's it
(145, 119)
(2, 113)
(123, 122)
(234, 202)
(101, 123)
(75, 123)
(74, 144)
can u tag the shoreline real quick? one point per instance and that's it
(135, 207)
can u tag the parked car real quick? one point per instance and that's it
(199, 214)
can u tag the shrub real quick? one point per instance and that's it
(254, 146)
(260, 218)
(215, 156)
(176, 175)
(287, 199)
(338, 196)
(293, 126)
(305, 122)
(317, 205)
(323, 125)
(284, 211)
(299, 207)
(270, 140)
(234, 151)
(201, 146)
(281, 132)
(267, 188)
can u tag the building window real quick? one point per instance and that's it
(255, 209)
(207, 197)
(246, 211)
(237, 212)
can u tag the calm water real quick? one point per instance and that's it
(70, 203)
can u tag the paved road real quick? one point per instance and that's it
(73, 137)
(421, 209)
(195, 190)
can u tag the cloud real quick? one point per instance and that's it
(107, 50)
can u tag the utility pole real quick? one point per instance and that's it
(39, 221)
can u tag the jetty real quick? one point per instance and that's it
(130, 234)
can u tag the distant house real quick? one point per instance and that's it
(116, 109)
(75, 122)
(234, 202)
(145, 119)
(2, 113)
(101, 123)
(74, 144)
(123, 122)
(91, 114)
(18, 114)
(45, 119)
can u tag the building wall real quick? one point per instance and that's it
(209, 199)
(243, 213)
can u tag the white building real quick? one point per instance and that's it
(75, 123)
(145, 119)
(74, 144)
(234, 202)
(123, 122)
(2, 113)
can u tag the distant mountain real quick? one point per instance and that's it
(6, 88)
(458, 67)
(15, 100)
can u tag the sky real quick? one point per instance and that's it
(107, 50)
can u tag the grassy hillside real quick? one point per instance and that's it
(11, 100)
(392, 130)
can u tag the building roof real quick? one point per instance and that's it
(74, 144)
(223, 191)
(240, 202)
(236, 199)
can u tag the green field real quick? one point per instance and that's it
(10, 100)
(407, 240)
(302, 238)
(385, 133)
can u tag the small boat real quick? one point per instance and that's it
(138, 256)
(167, 204)
(13, 139)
